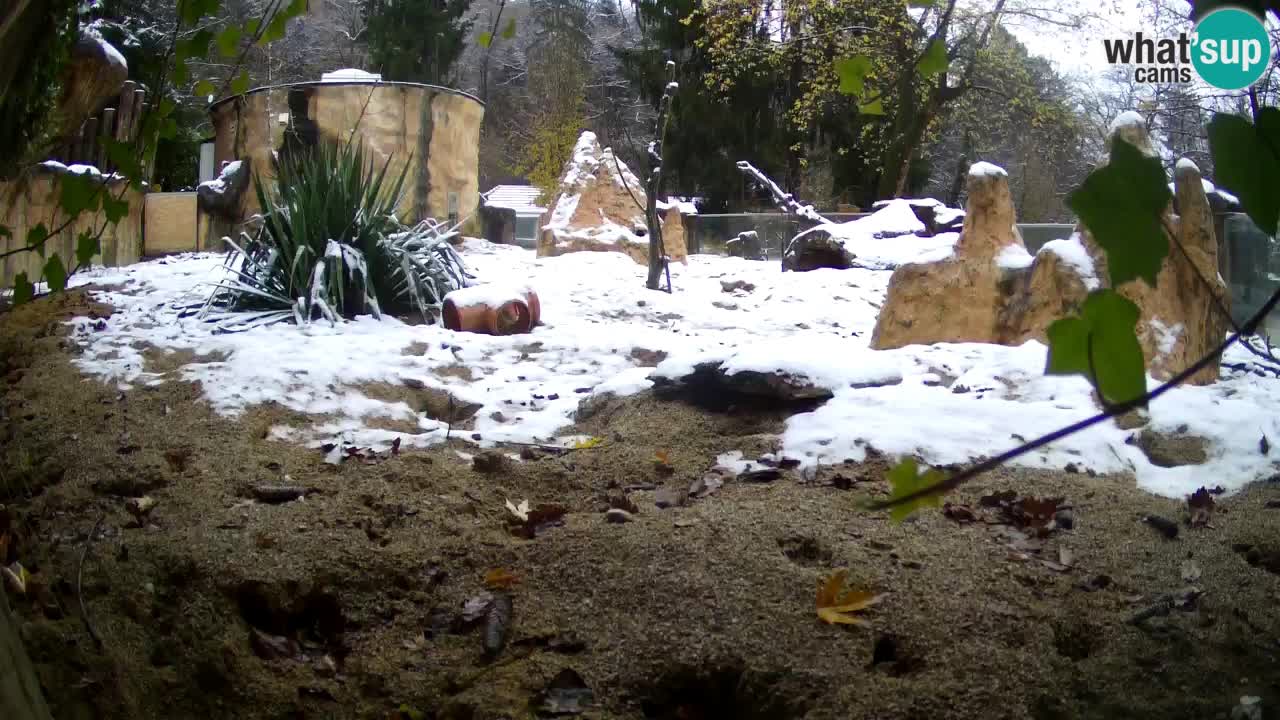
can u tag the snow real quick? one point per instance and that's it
(583, 169)
(108, 50)
(1209, 187)
(350, 75)
(491, 294)
(1072, 252)
(686, 206)
(1167, 336)
(946, 215)
(1014, 257)
(521, 198)
(981, 169)
(596, 312)
(888, 238)
(79, 169)
(1128, 118)
(219, 184)
(1187, 164)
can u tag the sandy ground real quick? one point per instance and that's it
(350, 603)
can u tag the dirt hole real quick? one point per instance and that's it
(720, 693)
(805, 550)
(312, 618)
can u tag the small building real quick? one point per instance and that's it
(523, 201)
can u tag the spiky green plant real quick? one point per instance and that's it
(328, 244)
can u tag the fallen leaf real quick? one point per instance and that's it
(395, 446)
(271, 647)
(1201, 505)
(500, 579)
(663, 456)
(541, 517)
(140, 508)
(767, 475)
(521, 511)
(706, 485)
(16, 577)
(588, 443)
(834, 606)
(475, 608)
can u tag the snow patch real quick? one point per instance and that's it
(1129, 118)
(1072, 252)
(594, 323)
(1014, 257)
(981, 169)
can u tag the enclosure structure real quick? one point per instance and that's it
(431, 133)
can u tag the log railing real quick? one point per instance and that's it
(122, 123)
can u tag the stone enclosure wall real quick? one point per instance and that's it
(435, 131)
(33, 199)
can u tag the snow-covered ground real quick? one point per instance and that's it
(953, 403)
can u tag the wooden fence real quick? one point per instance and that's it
(122, 123)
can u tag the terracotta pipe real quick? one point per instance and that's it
(491, 310)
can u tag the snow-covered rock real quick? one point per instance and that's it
(887, 238)
(600, 207)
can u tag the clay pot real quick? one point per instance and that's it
(484, 309)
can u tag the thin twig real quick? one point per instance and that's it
(84, 611)
(964, 476)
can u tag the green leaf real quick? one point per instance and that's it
(485, 39)
(921, 3)
(36, 237)
(251, 26)
(169, 129)
(192, 10)
(78, 194)
(1246, 161)
(296, 8)
(197, 45)
(875, 107)
(86, 247)
(228, 41)
(509, 30)
(1101, 340)
(180, 72)
(166, 107)
(935, 60)
(23, 290)
(905, 479)
(1122, 204)
(274, 30)
(852, 72)
(122, 157)
(55, 273)
(204, 89)
(114, 209)
(240, 85)
(5, 231)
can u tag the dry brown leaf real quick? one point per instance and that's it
(663, 456)
(500, 579)
(835, 603)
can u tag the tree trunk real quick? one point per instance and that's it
(20, 696)
(653, 185)
(961, 171)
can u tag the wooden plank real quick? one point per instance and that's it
(107, 132)
(125, 110)
(88, 148)
(140, 108)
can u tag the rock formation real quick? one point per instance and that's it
(838, 245)
(960, 298)
(991, 291)
(936, 216)
(599, 207)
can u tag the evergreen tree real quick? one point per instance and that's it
(417, 40)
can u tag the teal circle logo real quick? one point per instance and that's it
(1230, 48)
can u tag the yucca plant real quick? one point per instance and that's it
(328, 244)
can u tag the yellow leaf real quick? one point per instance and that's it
(499, 579)
(588, 443)
(834, 605)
